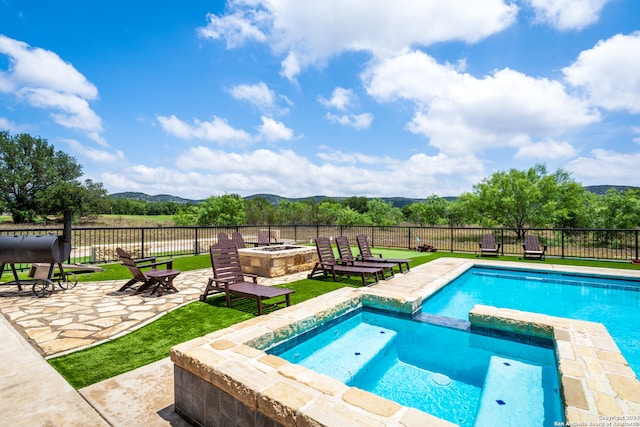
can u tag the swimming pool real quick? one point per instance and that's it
(453, 374)
(612, 301)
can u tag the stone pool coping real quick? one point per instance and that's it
(596, 381)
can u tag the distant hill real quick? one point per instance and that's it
(602, 189)
(157, 198)
(274, 199)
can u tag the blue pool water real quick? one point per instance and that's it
(611, 301)
(463, 377)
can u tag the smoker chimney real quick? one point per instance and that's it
(66, 233)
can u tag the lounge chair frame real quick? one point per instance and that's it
(367, 255)
(229, 279)
(327, 264)
(347, 258)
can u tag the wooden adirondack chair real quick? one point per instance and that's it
(161, 278)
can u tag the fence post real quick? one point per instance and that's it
(562, 245)
(451, 238)
(196, 248)
(142, 238)
(409, 242)
(636, 233)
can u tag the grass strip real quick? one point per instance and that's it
(153, 341)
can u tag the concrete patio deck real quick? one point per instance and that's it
(32, 393)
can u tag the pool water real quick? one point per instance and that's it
(456, 375)
(614, 302)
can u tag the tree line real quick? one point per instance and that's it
(38, 182)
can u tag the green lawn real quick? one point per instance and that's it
(153, 341)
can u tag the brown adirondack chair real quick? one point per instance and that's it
(327, 264)
(347, 258)
(532, 248)
(263, 239)
(229, 279)
(367, 255)
(237, 238)
(161, 278)
(488, 246)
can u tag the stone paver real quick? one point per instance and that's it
(32, 393)
(93, 312)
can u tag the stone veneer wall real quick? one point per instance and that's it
(226, 374)
(229, 368)
(276, 264)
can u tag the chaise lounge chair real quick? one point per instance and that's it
(161, 278)
(327, 264)
(347, 258)
(366, 255)
(488, 246)
(532, 248)
(229, 279)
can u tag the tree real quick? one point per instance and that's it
(227, 209)
(383, 213)
(525, 199)
(358, 204)
(29, 167)
(430, 212)
(618, 210)
(259, 211)
(85, 200)
(289, 212)
(350, 217)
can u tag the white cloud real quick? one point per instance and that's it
(201, 171)
(272, 130)
(546, 150)
(460, 113)
(309, 32)
(608, 72)
(258, 94)
(338, 156)
(568, 14)
(6, 124)
(357, 121)
(217, 130)
(236, 28)
(636, 129)
(605, 167)
(97, 156)
(341, 99)
(44, 80)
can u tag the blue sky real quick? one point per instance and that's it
(334, 97)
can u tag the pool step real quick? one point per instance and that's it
(512, 395)
(344, 357)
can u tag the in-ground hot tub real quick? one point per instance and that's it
(277, 260)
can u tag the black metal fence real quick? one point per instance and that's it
(97, 245)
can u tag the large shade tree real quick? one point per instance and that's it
(37, 181)
(526, 199)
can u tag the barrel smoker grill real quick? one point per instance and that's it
(46, 249)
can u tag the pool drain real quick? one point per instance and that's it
(441, 379)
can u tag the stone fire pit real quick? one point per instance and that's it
(277, 260)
